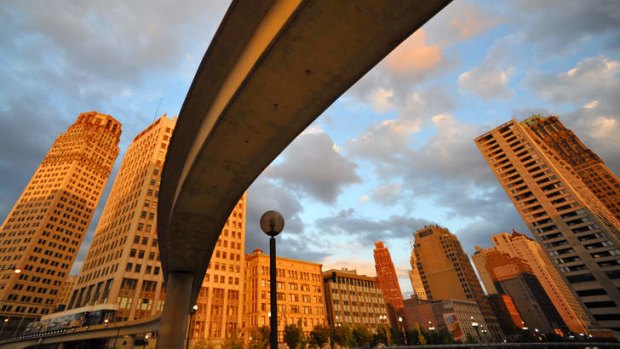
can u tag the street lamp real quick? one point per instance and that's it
(382, 319)
(272, 223)
(189, 326)
(475, 325)
(400, 322)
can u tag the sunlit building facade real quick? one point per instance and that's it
(43, 231)
(122, 267)
(353, 299)
(446, 272)
(386, 276)
(575, 229)
(416, 279)
(299, 293)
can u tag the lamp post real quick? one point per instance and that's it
(6, 320)
(272, 223)
(189, 326)
(475, 325)
(402, 328)
(382, 319)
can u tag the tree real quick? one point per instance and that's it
(293, 335)
(259, 337)
(361, 336)
(202, 344)
(319, 336)
(342, 335)
(233, 342)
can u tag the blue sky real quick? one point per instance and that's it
(394, 153)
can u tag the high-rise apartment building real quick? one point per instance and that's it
(299, 293)
(577, 232)
(122, 268)
(520, 246)
(387, 278)
(353, 299)
(44, 230)
(446, 272)
(513, 276)
(589, 166)
(220, 301)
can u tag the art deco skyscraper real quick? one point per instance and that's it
(386, 277)
(446, 272)
(589, 166)
(520, 246)
(577, 232)
(44, 230)
(122, 267)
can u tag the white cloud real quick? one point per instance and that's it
(486, 83)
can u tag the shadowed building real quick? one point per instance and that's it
(43, 232)
(446, 272)
(512, 276)
(388, 280)
(299, 293)
(575, 229)
(507, 313)
(589, 166)
(352, 299)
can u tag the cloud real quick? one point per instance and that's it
(413, 57)
(362, 231)
(486, 83)
(388, 194)
(313, 166)
(461, 20)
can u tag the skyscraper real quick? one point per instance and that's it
(43, 232)
(520, 246)
(589, 166)
(446, 272)
(577, 232)
(480, 260)
(416, 279)
(386, 277)
(122, 267)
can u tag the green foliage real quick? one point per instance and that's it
(470, 339)
(361, 336)
(202, 344)
(343, 335)
(293, 336)
(319, 336)
(259, 337)
(233, 341)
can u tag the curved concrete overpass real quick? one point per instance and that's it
(271, 69)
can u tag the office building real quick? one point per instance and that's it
(299, 293)
(575, 229)
(480, 260)
(588, 166)
(353, 299)
(513, 276)
(507, 314)
(446, 272)
(387, 278)
(122, 267)
(520, 246)
(43, 231)
(416, 279)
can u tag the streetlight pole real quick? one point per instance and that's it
(400, 322)
(189, 326)
(272, 223)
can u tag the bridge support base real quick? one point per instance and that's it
(174, 318)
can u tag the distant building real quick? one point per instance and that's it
(352, 299)
(416, 279)
(43, 231)
(446, 272)
(577, 231)
(480, 260)
(388, 281)
(567, 305)
(507, 314)
(299, 293)
(65, 293)
(512, 276)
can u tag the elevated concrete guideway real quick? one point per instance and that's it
(271, 69)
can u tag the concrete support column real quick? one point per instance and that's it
(173, 323)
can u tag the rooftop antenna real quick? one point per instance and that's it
(157, 110)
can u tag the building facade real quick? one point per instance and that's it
(387, 278)
(416, 279)
(43, 231)
(220, 303)
(507, 314)
(480, 260)
(520, 246)
(446, 272)
(299, 293)
(588, 166)
(122, 267)
(577, 232)
(353, 299)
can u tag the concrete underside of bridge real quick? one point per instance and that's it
(272, 68)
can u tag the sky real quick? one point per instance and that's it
(393, 154)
